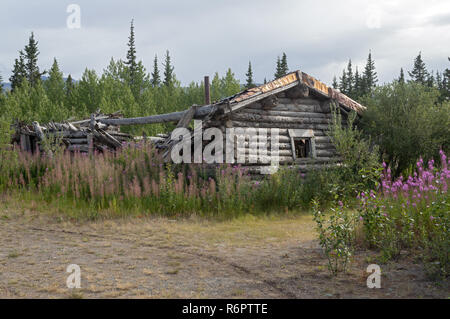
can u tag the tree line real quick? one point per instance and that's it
(127, 86)
(357, 85)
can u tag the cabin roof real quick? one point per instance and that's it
(286, 82)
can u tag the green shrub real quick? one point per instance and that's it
(336, 235)
(360, 158)
(406, 121)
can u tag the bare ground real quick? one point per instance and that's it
(161, 258)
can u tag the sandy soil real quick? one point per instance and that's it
(161, 258)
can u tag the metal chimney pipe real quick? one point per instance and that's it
(207, 91)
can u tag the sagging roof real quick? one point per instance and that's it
(246, 97)
(291, 80)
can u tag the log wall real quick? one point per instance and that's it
(290, 113)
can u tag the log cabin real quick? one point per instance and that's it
(297, 108)
(297, 105)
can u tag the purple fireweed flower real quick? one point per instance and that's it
(341, 203)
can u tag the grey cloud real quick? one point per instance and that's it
(208, 36)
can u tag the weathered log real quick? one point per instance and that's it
(249, 159)
(72, 127)
(66, 134)
(323, 139)
(38, 131)
(300, 101)
(246, 151)
(268, 145)
(76, 140)
(325, 146)
(252, 117)
(292, 108)
(280, 125)
(160, 118)
(286, 113)
(111, 138)
(107, 139)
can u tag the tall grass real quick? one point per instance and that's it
(136, 180)
(133, 179)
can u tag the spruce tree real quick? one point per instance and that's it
(431, 81)
(419, 73)
(350, 79)
(278, 72)
(446, 84)
(54, 85)
(1, 84)
(284, 65)
(438, 80)
(131, 62)
(356, 93)
(156, 78)
(69, 86)
(401, 78)
(370, 78)
(31, 61)
(136, 75)
(18, 72)
(335, 84)
(343, 82)
(168, 71)
(250, 84)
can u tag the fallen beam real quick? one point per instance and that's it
(160, 118)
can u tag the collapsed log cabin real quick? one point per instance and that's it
(85, 136)
(298, 105)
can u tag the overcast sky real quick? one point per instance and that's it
(205, 36)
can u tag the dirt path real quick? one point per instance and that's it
(159, 258)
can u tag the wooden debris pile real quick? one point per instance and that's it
(85, 136)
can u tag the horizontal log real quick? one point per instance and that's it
(323, 127)
(160, 118)
(292, 108)
(76, 140)
(281, 152)
(295, 113)
(325, 146)
(248, 159)
(306, 101)
(278, 119)
(323, 139)
(268, 145)
(67, 134)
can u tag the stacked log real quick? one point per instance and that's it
(85, 136)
